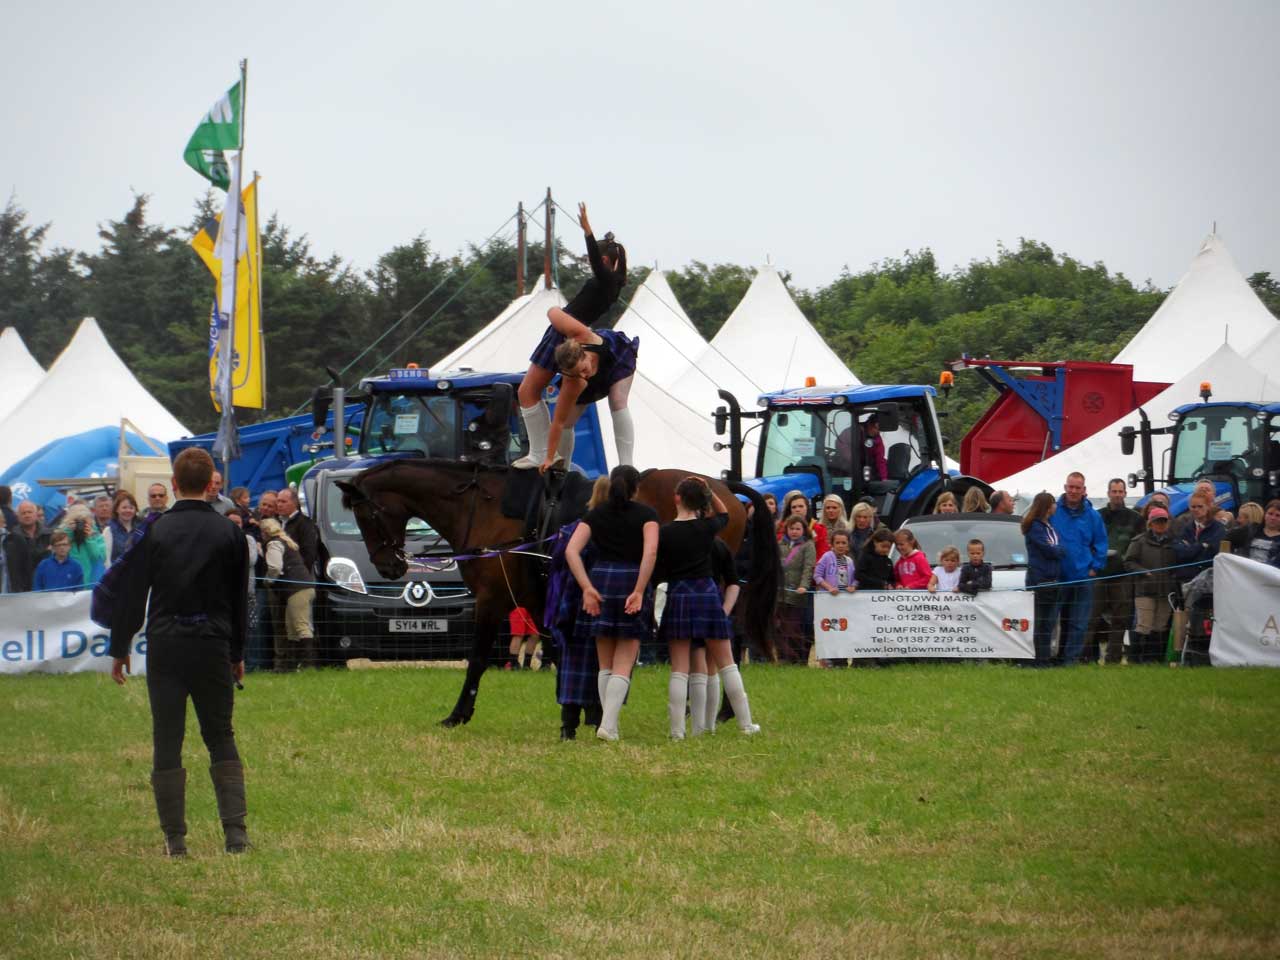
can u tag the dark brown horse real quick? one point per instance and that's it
(462, 501)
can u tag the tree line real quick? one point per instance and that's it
(898, 321)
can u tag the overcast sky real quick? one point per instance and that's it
(818, 134)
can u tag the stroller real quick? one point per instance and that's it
(1195, 602)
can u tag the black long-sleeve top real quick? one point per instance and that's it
(974, 577)
(874, 571)
(599, 293)
(193, 563)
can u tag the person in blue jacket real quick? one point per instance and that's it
(1044, 569)
(59, 572)
(1083, 536)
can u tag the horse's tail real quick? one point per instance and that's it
(765, 573)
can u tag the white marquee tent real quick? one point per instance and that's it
(1212, 303)
(19, 372)
(773, 344)
(87, 386)
(1099, 457)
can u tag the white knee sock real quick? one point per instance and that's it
(677, 699)
(697, 704)
(737, 694)
(564, 449)
(713, 702)
(602, 683)
(537, 421)
(624, 435)
(614, 696)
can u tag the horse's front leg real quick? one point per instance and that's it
(481, 648)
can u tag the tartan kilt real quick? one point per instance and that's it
(576, 672)
(615, 581)
(694, 612)
(544, 354)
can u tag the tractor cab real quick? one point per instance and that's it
(451, 415)
(877, 443)
(1235, 445)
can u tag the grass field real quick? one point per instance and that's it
(912, 812)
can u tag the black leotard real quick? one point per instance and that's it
(599, 293)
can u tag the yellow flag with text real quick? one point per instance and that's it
(249, 373)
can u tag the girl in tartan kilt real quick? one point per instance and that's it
(694, 612)
(617, 604)
(577, 687)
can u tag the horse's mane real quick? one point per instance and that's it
(436, 463)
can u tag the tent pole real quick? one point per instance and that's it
(546, 243)
(522, 250)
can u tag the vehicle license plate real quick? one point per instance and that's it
(419, 626)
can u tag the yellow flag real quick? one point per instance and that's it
(249, 375)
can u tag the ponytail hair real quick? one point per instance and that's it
(615, 251)
(1039, 510)
(623, 483)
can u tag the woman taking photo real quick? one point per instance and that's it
(616, 602)
(1044, 563)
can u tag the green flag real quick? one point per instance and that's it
(218, 131)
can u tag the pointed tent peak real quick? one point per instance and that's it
(772, 341)
(657, 291)
(1212, 303)
(87, 367)
(19, 371)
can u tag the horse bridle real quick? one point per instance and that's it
(375, 512)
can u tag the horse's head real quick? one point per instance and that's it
(382, 521)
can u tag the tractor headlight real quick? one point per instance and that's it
(346, 574)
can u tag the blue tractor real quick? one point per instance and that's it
(820, 440)
(1233, 444)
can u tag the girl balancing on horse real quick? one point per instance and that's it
(594, 363)
(694, 615)
(616, 601)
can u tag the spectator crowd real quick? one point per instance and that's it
(74, 549)
(1106, 581)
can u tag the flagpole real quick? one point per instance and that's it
(229, 347)
(257, 268)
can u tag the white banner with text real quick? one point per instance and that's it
(1246, 613)
(888, 624)
(52, 633)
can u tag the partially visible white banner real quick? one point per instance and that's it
(889, 624)
(52, 633)
(1246, 613)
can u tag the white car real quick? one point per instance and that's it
(1001, 536)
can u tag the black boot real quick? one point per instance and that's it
(228, 788)
(569, 721)
(170, 789)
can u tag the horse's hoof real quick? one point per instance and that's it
(452, 721)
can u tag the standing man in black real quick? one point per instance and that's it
(194, 564)
(1113, 595)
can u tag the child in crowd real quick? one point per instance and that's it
(912, 571)
(59, 572)
(834, 572)
(798, 559)
(875, 568)
(976, 574)
(947, 579)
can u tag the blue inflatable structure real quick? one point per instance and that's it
(94, 453)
